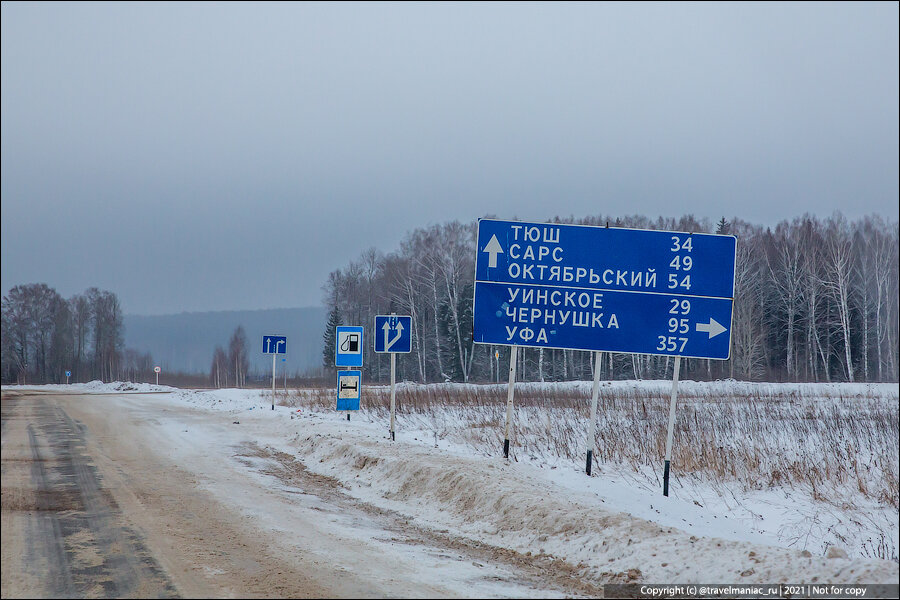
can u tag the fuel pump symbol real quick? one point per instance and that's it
(350, 343)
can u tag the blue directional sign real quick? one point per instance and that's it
(393, 333)
(274, 344)
(348, 390)
(348, 347)
(550, 285)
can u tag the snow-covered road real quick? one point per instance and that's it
(236, 499)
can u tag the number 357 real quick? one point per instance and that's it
(671, 343)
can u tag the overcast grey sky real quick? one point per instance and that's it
(229, 156)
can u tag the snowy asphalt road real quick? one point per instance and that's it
(101, 499)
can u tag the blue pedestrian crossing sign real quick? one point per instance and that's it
(274, 344)
(393, 333)
(68, 373)
(348, 347)
(550, 285)
(348, 390)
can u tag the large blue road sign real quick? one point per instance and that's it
(274, 344)
(348, 347)
(393, 333)
(349, 390)
(594, 288)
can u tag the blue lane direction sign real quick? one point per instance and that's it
(593, 288)
(348, 390)
(393, 333)
(348, 347)
(274, 344)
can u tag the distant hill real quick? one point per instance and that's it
(185, 342)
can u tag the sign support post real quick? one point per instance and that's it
(513, 351)
(274, 344)
(393, 391)
(595, 392)
(393, 334)
(602, 289)
(671, 425)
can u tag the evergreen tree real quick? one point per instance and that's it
(723, 227)
(329, 339)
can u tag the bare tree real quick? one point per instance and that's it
(238, 361)
(218, 373)
(839, 281)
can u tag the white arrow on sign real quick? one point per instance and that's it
(387, 328)
(714, 328)
(493, 249)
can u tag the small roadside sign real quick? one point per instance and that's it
(348, 350)
(348, 389)
(274, 344)
(393, 333)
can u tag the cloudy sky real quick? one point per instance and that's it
(229, 156)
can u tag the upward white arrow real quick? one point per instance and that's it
(493, 249)
(386, 328)
(713, 328)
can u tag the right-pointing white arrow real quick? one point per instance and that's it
(493, 249)
(714, 328)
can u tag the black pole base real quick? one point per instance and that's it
(348, 416)
(505, 448)
(392, 437)
(666, 480)
(590, 462)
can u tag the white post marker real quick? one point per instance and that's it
(595, 392)
(671, 425)
(157, 370)
(513, 350)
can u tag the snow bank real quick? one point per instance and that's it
(510, 505)
(95, 387)
(608, 525)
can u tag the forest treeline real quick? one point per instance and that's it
(815, 300)
(231, 369)
(44, 335)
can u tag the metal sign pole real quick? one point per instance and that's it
(273, 381)
(393, 391)
(671, 425)
(595, 392)
(513, 351)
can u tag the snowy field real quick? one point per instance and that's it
(770, 482)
